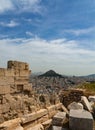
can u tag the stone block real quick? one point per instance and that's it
(17, 65)
(16, 72)
(56, 128)
(86, 103)
(34, 116)
(43, 119)
(91, 98)
(75, 105)
(80, 120)
(4, 108)
(59, 119)
(9, 72)
(4, 89)
(22, 78)
(6, 80)
(41, 113)
(24, 73)
(51, 111)
(36, 127)
(48, 122)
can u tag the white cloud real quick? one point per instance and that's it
(64, 56)
(12, 23)
(20, 6)
(5, 5)
(78, 32)
(29, 33)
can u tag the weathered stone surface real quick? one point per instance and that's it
(86, 103)
(80, 120)
(4, 89)
(75, 105)
(15, 78)
(41, 113)
(34, 116)
(9, 72)
(59, 119)
(11, 125)
(2, 72)
(17, 65)
(6, 80)
(51, 111)
(58, 106)
(91, 98)
(48, 122)
(36, 127)
(56, 128)
(43, 119)
(24, 73)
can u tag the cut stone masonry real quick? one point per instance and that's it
(15, 79)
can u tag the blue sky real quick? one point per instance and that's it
(49, 34)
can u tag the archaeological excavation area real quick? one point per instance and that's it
(24, 108)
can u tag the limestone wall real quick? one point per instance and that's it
(17, 65)
(15, 77)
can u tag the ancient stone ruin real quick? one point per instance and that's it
(23, 108)
(20, 106)
(15, 79)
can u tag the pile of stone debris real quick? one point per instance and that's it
(21, 108)
(79, 116)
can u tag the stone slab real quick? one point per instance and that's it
(80, 120)
(86, 103)
(56, 128)
(75, 105)
(34, 116)
(59, 119)
(91, 98)
(36, 127)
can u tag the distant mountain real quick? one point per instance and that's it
(89, 78)
(92, 76)
(51, 73)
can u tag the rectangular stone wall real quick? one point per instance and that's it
(16, 74)
(18, 65)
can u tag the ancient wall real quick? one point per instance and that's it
(15, 78)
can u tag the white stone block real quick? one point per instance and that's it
(80, 120)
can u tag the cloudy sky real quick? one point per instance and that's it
(49, 34)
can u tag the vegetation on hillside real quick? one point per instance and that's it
(89, 87)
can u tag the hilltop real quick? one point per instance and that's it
(51, 73)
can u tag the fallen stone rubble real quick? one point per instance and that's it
(23, 108)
